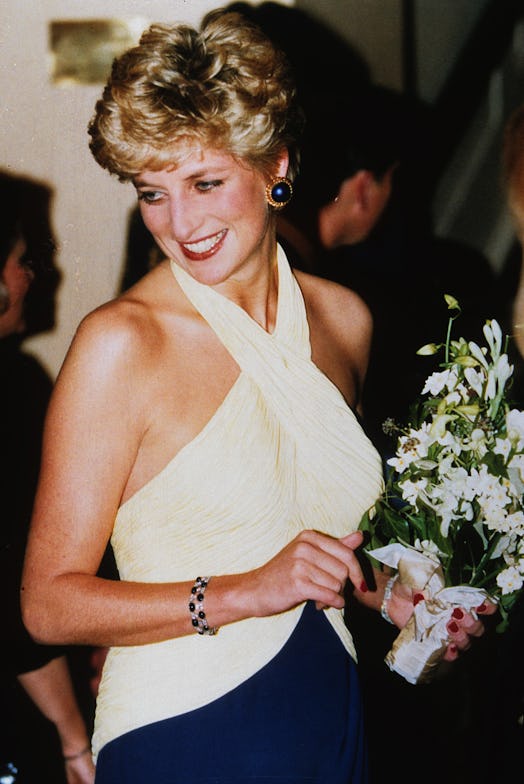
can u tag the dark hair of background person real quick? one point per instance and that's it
(26, 210)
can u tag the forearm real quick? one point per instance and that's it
(51, 689)
(73, 608)
(88, 610)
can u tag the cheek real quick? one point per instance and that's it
(17, 283)
(248, 204)
(154, 218)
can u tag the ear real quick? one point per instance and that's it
(283, 163)
(371, 194)
(364, 189)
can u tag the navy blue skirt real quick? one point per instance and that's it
(296, 721)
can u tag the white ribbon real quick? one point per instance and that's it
(419, 647)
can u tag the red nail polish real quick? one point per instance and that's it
(453, 648)
(457, 613)
(418, 597)
(453, 627)
(482, 607)
(363, 587)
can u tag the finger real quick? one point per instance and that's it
(472, 626)
(457, 635)
(342, 550)
(355, 574)
(335, 556)
(451, 653)
(318, 576)
(331, 560)
(353, 540)
(487, 608)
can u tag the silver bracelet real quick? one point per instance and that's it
(387, 596)
(196, 607)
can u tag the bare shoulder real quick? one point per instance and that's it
(124, 332)
(337, 306)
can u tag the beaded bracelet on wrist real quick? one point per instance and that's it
(387, 596)
(196, 607)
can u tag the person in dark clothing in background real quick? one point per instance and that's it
(44, 736)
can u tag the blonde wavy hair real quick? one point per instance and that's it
(225, 86)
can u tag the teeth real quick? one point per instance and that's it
(205, 245)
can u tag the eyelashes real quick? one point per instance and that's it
(201, 186)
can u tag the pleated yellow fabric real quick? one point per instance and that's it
(282, 453)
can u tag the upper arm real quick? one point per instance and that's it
(92, 433)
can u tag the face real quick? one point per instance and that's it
(17, 279)
(210, 215)
(351, 217)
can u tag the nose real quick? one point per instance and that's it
(185, 219)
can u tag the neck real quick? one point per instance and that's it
(258, 295)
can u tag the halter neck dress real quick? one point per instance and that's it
(274, 697)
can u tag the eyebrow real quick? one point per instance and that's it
(200, 174)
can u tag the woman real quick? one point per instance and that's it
(203, 421)
(41, 671)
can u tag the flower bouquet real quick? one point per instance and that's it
(450, 520)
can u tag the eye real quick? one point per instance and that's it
(208, 185)
(150, 197)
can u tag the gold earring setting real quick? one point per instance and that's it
(279, 192)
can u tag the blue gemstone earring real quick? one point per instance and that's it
(279, 192)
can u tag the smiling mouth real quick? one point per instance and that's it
(204, 247)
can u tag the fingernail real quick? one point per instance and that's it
(453, 648)
(457, 613)
(418, 597)
(482, 607)
(453, 627)
(363, 587)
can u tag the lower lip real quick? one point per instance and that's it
(206, 254)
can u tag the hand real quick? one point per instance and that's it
(79, 769)
(313, 566)
(462, 627)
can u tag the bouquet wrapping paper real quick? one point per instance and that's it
(419, 647)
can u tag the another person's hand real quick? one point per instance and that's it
(79, 768)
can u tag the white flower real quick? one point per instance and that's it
(450, 442)
(503, 545)
(454, 398)
(475, 379)
(502, 447)
(478, 353)
(412, 491)
(400, 463)
(515, 522)
(446, 379)
(493, 335)
(515, 424)
(510, 580)
(503, 371)
(429, 549)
